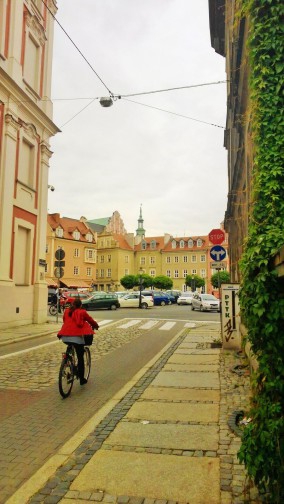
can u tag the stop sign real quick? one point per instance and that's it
(216, 236)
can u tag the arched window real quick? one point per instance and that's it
(199, 242)
(143, 245)
(181, 244)
(153, 244)
(190, 243)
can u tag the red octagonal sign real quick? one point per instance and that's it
(217, 236)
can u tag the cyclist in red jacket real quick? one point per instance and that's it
(77, 323)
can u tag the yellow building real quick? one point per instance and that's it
(26, 44)
(78, 242)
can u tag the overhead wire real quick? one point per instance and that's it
(174, 113)
(77, 48)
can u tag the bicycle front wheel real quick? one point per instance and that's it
(87, 362)
(66, 377)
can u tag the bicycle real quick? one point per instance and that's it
(68, 371)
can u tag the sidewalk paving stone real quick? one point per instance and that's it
(181, 394)
(181, 412)
(166, 477)
(183, 379)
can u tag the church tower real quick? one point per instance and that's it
(140, 231)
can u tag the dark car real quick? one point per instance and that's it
(160, 298)
(100, 300)
(52, 297)
(174, 293)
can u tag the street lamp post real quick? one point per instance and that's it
(192, 283)
(140, 286)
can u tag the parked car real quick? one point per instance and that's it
(51, 294)
(160, 298)
(68, 297)
(205, 302)
(121, 293)
(100, 300)
(174, 293)
(171, 297)
(132, 301)
(185, 298)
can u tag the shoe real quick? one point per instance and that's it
(83, 381)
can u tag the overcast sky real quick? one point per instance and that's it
(116, 158)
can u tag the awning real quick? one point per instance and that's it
(52, 282)
(70, 282)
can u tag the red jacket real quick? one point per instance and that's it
(79, 324)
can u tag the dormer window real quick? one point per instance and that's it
(181, 244)
(76, 235)
(89, 237)
(199, 242)
(153, 244)
(190, 243)
(174, 244)
(59, 232)
(143, 245)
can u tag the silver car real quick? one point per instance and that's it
(185, 298)
(205, 302)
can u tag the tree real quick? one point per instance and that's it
(129, 281)
(194, 282)
(162, 282)
(224, 277)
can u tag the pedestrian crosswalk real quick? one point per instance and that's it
(146, 324)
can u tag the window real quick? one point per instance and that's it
(89, 237)
(174, 244)
(153, 244)
(59, 232)
(184, 273)
(176, 259)
(90, 255)
(76, 235)
(203, 273)
(27, 164)
(199, 242)
(32, 63)
(102, 273)
(102, 258)
(168, 260)
(152, 260)
(89, 272)
(190, 243)
(203, 258)
(102, 243)
(185, 259)
(23, 255)
(108, 272)
(176, 274)
(152, 273)
(193, 258)
(194, 272)
(143, 245)
(126, 272)
(168, 273)
(181, 244)
(76, 270)
(109, 258)
(142, 261)
(108, 243)
(126, 259)
(76, 252)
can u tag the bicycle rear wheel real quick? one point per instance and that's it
(53, 309)
(87, 362)
(66, 377)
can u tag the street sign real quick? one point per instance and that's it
(218, 265)
(217, 253)
(59, 254)
(58, 272)
(216, 236)
(59, 264)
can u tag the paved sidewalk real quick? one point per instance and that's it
(163, 439)
(29, 331)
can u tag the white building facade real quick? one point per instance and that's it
(26, 44)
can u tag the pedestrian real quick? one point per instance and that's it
(77, 323)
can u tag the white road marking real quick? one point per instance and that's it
(167, 326)
(149, 324)
(129, 324)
